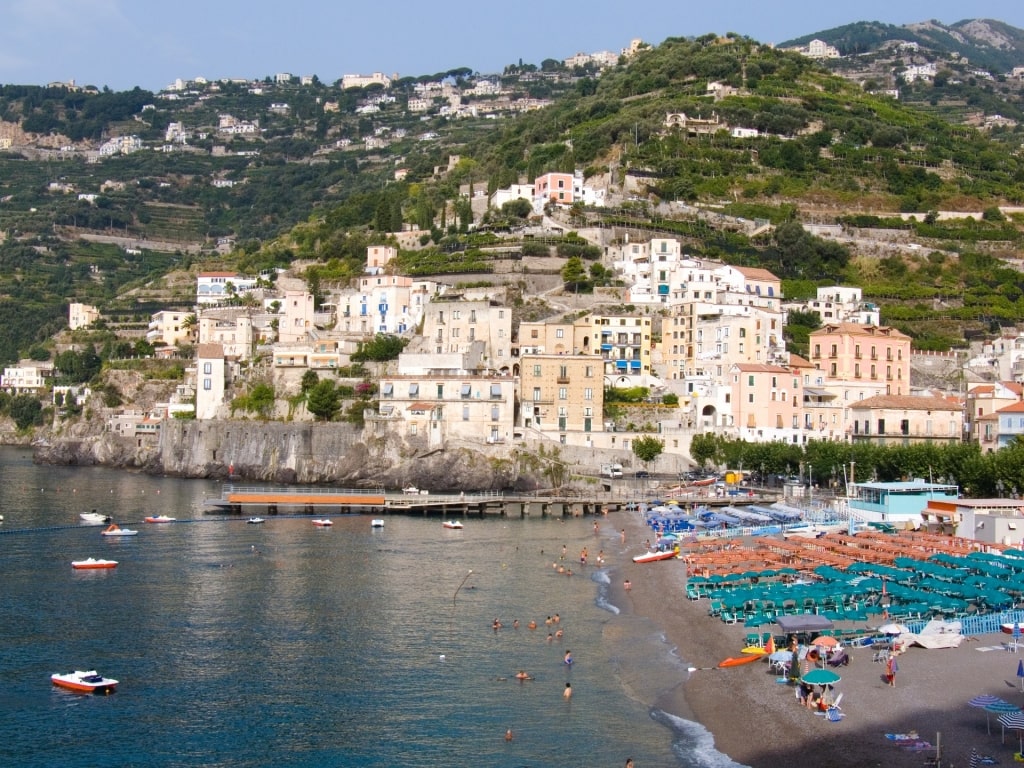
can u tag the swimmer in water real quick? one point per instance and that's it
(532, 624)
(567, 693)
(521, 675)
(508, 735)
(558, 634)
(568, 658)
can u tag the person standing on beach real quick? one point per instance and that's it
(891, 668)
(622, 536)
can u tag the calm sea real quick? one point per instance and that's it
(287, 645)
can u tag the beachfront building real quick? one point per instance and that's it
(906, 419)
(983, 401)
(873, 354)
(562, 396)
(437, 398)
(900, 504)
(1010, 424)
(81, 315)
(991, 521)
(766, 403)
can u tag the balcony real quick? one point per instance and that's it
(562, 380)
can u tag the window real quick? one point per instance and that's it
(207, 368)
(440, 391)
(496, 391)
(495, 411)
(536, 394)
(588, 394)
(387, 389)
(750, 398)
(207, 384)
(563, 393)
(414, 389)
(559, 333)
(750, 380)
(464, 390)
(465, 413)
(588, 372)
(536, 370)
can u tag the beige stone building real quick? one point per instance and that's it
(906, 419)
(561, 394)
(452, 324)
(82, 315)
(169, 327)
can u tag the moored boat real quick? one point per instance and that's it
(114, 530)
(325, 523)
(94, 518)
(91, 563)
(377, 522)
(451, 524)
(254, 520)
(160, 519)
(84, 682)
(651, 557)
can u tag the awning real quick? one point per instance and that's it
(803, 622)
(622, 364)
(662, 290)
(606, 347)
(634, 364)
(815, 392)
(464, 391)
(421, 406)
(414, 389)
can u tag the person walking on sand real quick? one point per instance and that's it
(622, 536)
(891, 668)
(567, 693)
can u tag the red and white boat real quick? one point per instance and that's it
(455, 524)
(160, 519)
(325, 523)
(91, 563)
(650, 557)
(84, 682)
(1008, 628)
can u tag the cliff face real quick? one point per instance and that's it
(285, 453)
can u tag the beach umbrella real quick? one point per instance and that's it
(974, 759)
(1002, 708)
(1015, 721)
(821, 677)
(1016, 634)
(894, 629)
(825, 641)
(984, 701)
(1020, 673)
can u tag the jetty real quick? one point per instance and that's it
(236, 499)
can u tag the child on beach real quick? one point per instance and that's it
(891, 668)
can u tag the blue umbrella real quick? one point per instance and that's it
(1016, 635)
(1020, 673)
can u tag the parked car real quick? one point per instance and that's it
(642, 473)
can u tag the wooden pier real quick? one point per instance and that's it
(312, 500)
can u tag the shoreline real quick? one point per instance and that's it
(758, 722)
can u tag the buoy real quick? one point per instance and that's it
(441, 657)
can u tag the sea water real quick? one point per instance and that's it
(283, 644)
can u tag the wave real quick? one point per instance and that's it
(692, 743)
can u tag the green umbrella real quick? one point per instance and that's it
(821, 677)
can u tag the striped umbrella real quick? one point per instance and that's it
(984, 701)
(1004, 708)
(1014, 720)
(974, 758)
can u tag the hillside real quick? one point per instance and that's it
(985, 43)
(724, 125)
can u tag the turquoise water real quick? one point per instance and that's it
(287, 645)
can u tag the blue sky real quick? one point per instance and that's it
(123, 43)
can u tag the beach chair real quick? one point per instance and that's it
(834, 712)
(881, 656)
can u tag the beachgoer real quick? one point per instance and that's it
(647, 544)
(508, 735)
(583, 556)
(496, 625)
(891, 668)
(600, 557)
(627, 585)
(532, 624)
(567, 693)
(548, 621)
(558, 634)
(550, 637)
(568, 658)
(622, 536)
(521, 675)
(564, 551)
(515, 623)
(596, 527)
(629, 762)
(556, 618)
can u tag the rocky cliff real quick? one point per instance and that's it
(286, 453)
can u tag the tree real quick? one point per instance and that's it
(383, 346)
(323, 400)
(574, 274)
(261, 399)
(26, 411)
(648, 448)
(309, 380)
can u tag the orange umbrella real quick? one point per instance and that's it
(769, 647)
(825, 641)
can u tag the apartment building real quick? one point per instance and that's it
(767, 403)
(982, 402)
(297, 314)
(452, 323)
(869, 353)
(906, 419)
(211, 380)
(27, 377)
(169, 327)
(384, 304)
(81, 315)
(230, 328)
(561, 394)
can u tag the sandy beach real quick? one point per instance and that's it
(758, 722)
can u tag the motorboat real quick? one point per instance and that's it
(377, 522)
(650, 557)
(84, 682)
(91, 563)
(160, 519)
(94, 518)
(451, 524)
(255, 520)
(325, 523)
(114, 530)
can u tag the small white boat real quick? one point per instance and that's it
(94, 518)
(377, 522)
(91, 563)
(115, 530)
(451, 524)
(325, 523)
(254, 520)
(84, 682)
(160, 519)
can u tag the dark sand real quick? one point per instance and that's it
(758, 722)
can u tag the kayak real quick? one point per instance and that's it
(755, 650)
(738, 661)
